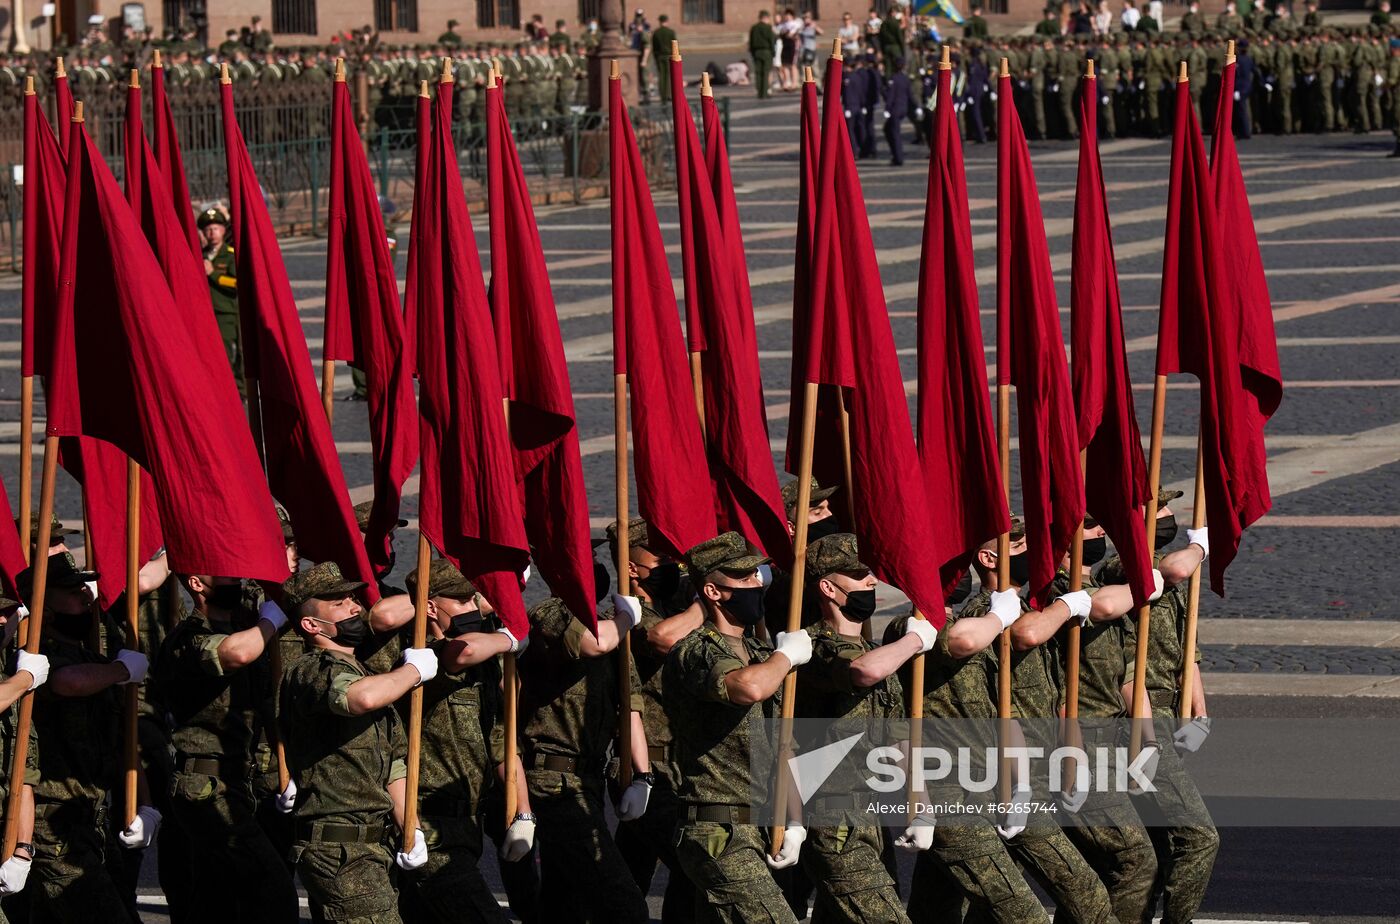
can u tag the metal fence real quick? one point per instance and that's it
(287, 130)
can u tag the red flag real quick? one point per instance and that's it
(849, 319)
(648, 349)
(1199, 333)
(166, 145)
(747, 499)
(424, 138)
(957, 444)
(43, 221)
(717, 162)
(116, 328)
(469, 502)
(364, 323)
(535, 377)
(63, 106)
(303, 469)
(1115, 474)
(828, 464)
(11, 552)
(1249, 290)
(1031, 356)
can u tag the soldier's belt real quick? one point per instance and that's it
(658, 753)
(559, 763)
(74, 811)
(1163, 698)
(719, 814)
(833, 804)
(223, 769)
(326, 832)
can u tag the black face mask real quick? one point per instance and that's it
(962, 591)
(828, 526)
(663, 581)
(745, 604)
(352, 632)
(1020, 569)
(227, 597)
(859, 605)
(1166, 531)
(73, 625)
(1094, 550)
(602, 581)
(463, 623)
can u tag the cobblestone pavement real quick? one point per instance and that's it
(1300, 659)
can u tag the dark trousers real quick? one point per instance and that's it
(762, 64)
(651, 838)
(894, 137)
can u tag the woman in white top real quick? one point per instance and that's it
(849, 33)
(1103, 19)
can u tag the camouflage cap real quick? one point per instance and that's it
(1165, 497)
(286, 521)
(7, 604)
(321, 580)
(56, 528)
(637, 533)
(833, 553)
(728, 552)
(63, 572)
(1018, 529)
(444, 580)
(789, 492)
(362, 512)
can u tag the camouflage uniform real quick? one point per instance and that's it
(1106, 829)
(1185, 853)
(342, 765)
(456, 768)
(568, 715)
(9, 721)
(214, 713)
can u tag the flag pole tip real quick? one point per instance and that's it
(223, 72)
(1181, 74)
(1089, 70)
(446, 75)
(1230, 48)
(59, 69)
(423, 89)
(135, 79)
(945, 60)
(339, 70)
(615, 71)
(807, 76)
(836, 49)
(1005, 68)
(155, 58)
(705, 84)
(675, 51)
(78, 111)
(491, 79)
(29, 85)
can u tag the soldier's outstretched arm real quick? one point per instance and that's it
(379, 690)
(877, 664)
(641, 762)
(391, 612)
(1178, 566)
(757, 682)
(472, 649)
(1037, 627)
(971, 634)
(153, 574)
(662, 637)
(79, 680)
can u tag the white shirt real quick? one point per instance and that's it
(1130, 18)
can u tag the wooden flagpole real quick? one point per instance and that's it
(697, 372)
(1154, 484)
(415, 698)
(133, 626)
(1193, 592)
(1004, 558)
(327, 363)
(26, 431)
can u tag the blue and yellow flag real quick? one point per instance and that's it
(939, 8)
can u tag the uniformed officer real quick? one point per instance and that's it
(656, 582)
(898, 101)
(850, 678)
(222, 269)
(763, 41)
(211, 680)
(569, 713)
(457, 766)
(717, 679)
(661, 39)
(29, 672)
(345, 750)
(78, 718)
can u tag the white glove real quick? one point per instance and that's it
(1158, 585)
(136, 665)
(1237, 95)
(520, 837)
(994, 96)
(797, 646)
(1015, 821)
(1079, 603)
(415, 857)
(142, 829)
(793, 836)
(633, 804)
(848, 113)
(516, 645)
(627, 612)
(272, 613)
(1074, 798)
(37, 665)
(524, 578)
(286, 800)
(924, 630)
(918, 836)
(1006, 607)
(1380, 80)
(1192, 735)
(14, 873)
(424, 660)
(887, 113)
(1200, 537)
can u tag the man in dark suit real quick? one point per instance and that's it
(898, 101)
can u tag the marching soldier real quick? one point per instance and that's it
(457, 765)
(222, 269)
(345, 750)
(211, 679)
(77, 717)
(29, 673)
(851, 678)
(568, 714)
(716, 679)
